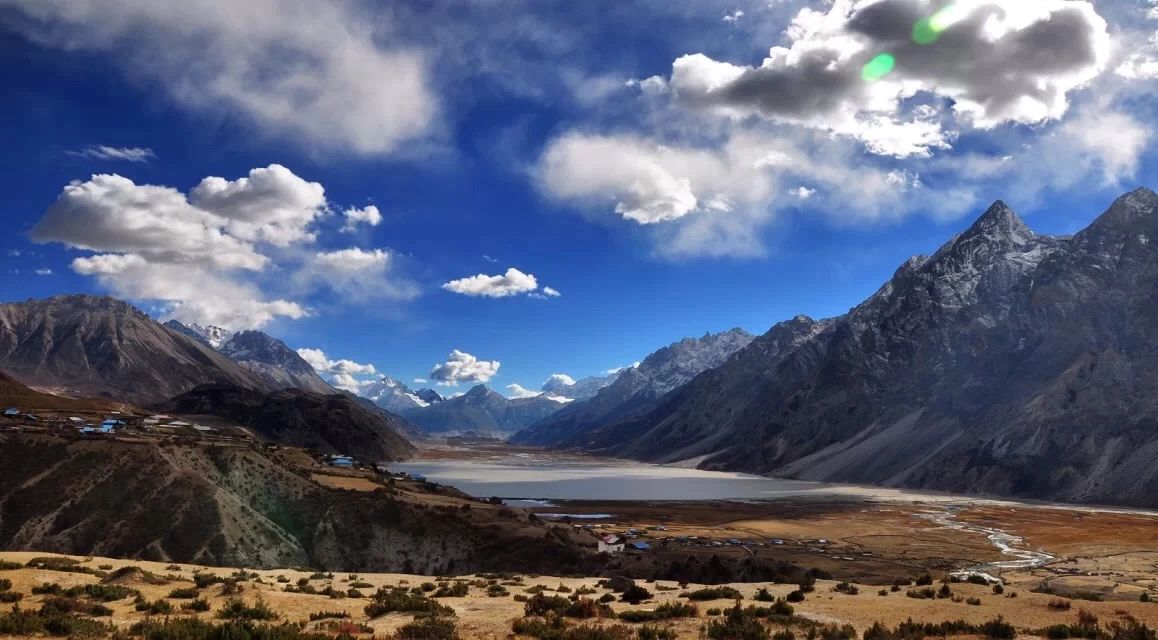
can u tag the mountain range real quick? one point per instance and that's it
(635, 388)
(483, 410)
(1006, 363)
(263, 355)
(97, 346)
(394, 396)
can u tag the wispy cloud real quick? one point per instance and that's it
(105, 152)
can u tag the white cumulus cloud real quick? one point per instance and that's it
(511, 283)
(462, 367)
(368, 215)
(343, 374)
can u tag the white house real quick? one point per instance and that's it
(610, 544)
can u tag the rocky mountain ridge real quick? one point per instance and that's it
(86, 345)
(1006, 363)
(635, 387)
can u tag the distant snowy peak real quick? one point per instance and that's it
(429, 396)
(561, 388)
(260, 353)
(213, 336)
(394, 396)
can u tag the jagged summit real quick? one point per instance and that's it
(999, 223)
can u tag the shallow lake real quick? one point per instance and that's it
(554, 477)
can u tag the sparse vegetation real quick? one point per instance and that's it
(184, 594)
(665, 611)
(714, 593)
(237, 609)
(401, 600)
(542, 605)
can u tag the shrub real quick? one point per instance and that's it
(11, 596)
(455, 590)
(542, 605)
(925, 580)
(976, 602)
(52, 622)
(203, 580)
(399, 599)
(738, 624)
(54, 605)
(9, 566)
(554, 628)
(5, 584)
(237, 609)
(605, 598)
(650, 632)
(1145, 597)
(157, 607)
(200, 604)
(497, 591)
(324, 615)
(184, 594)
(635, 594)
(665, 611)
(922, 594)
(715, 593)
(359, 585)
(763, 596)
(428, 628)
(795, 596)
(944, 591)
(1059, 605)
(846, 587)
(48, 588)
(999, 628)
(998, 589)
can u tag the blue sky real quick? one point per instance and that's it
(652, 163)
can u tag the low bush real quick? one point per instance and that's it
(651, 632)
(237, 609)
(737, 624)
(22, 622)
(665, 611)
(428, 628)
(325, 615)
(635, 594)
(184, 594)
(64, 605)
(200, 604)
(400, 600)
(454, 590)
(714, 593)
(157, 607)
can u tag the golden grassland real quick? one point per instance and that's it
(479, 615)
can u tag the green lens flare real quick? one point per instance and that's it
(878, 67)
(924, 32)
(927, 30)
